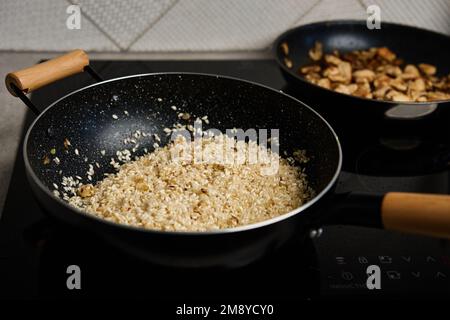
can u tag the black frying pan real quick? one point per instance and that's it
(85, 117)
(412, 44)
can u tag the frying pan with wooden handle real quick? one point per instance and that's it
(85, 117)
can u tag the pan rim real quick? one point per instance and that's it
(242, 228)
(276, 43)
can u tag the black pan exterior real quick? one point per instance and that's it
(412, 44)
(87, 118)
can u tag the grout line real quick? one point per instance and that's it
(151, 25)
(305, 13)
(296, 21)
(96, 25)
(363, 5)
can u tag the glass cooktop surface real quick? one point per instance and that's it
(35, 251)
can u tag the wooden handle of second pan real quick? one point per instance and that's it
(39, 75)
(426, 214)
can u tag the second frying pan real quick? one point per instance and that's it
(412, 44)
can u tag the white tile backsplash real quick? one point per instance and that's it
(41, 25)
(189, 25)
(124, 21)
(199, 25)
(333, 10)
(428, 14)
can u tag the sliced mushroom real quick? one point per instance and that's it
(374, 73)
(399, 84)
(397, 96)
(365, 74)
(313, 77)
(331, 59)
(285, 48)
(324, 83)
(86, 190)
(422, 99)
(417, 85)
(382, 80)
(438, 95)
(316, 53)
(391, 70)
(142, 186)
(345, 69)
(428, 69)
(381, 92)
(331, 71)
(386, 54)
(363, 90)
(347, 89)
(410, 72)
(288, 62)
(310, 69)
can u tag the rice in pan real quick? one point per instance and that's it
(160, 191)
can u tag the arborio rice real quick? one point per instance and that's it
(165, 192)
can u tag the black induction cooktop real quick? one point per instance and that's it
(35, 251)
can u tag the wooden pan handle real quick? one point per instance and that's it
(426, 214)
(39, 75)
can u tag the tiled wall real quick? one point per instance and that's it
(189, 25)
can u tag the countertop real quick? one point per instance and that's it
(13, 110)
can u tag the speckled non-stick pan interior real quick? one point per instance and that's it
(99, 118)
